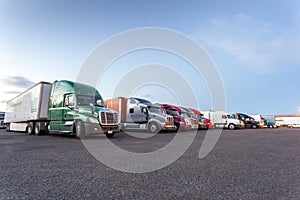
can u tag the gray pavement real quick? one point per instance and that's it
(245, 164)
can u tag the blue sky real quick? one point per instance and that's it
(254, 44)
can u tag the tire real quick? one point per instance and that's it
(8, 128)
(47, 130)
(254, 126)
(80, 131)
(29, 130)
(153, 127)
(37, 130)
(177, 128)
(111, 135)
(231, 126)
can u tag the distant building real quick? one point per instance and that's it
(285, 120)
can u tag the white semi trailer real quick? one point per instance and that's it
(28, 107)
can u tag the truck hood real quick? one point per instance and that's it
(236, 121)
(102, 109)
(156, 115)
(88, 109)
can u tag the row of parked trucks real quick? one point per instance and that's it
(68, 107)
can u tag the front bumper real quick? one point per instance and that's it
(239, 126)
(169, 127)
(110, 129)
(202, 126)
(92, 129)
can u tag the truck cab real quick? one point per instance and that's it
(183, 114)
(160, 114)
(178, 119)
(269, 121)
(247, 121)
(201, 120)
(194, 120)
(79, 108)
(221, 119)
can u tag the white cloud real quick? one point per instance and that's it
(258, 45)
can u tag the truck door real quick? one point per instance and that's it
(56, 113)
(224, 118)
(135, 113)
(68, 113)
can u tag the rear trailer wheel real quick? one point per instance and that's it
(29, 130)
(80, 132)
(231, 126)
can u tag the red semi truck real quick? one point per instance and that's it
(187, 120)
(206, 124)
(178, 119)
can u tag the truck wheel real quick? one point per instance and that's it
(153, 127)
(177, 128)
(231, 126)
(29, 130)
(47, 130)
(80, 132)
(111, 135)
(8, 128)
(37, 130)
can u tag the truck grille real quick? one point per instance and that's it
(108, 118)
(169, 120)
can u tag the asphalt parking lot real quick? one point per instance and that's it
(244, 164)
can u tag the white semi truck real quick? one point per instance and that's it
(222, 119)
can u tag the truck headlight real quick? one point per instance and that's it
(93, 120)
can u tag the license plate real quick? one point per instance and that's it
(110, 131)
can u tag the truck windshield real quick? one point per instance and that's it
(229, 116)
(173, 112)
(184, 114)
(156, 110)
(84, 100)
(193, 115)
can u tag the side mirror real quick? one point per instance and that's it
(71, 107)
(145, 111)
(99, 103)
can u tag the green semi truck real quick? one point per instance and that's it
(61, 107)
